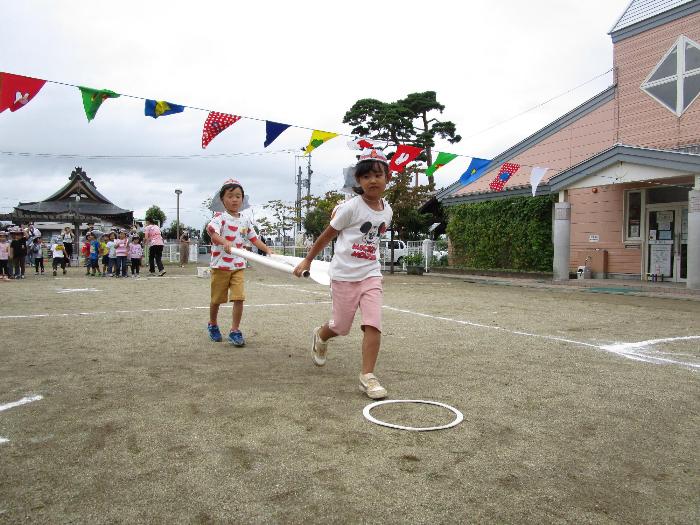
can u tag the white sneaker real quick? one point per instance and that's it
(369, 384)
(318, 348)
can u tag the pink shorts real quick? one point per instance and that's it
(348, 295)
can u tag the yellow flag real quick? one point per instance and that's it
(318, 138)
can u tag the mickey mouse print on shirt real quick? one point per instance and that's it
(237, 230)
(367, 249)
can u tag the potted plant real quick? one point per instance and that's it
(415, 264)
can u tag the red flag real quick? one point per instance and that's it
(215, 124)
(17, 91)
(504, 175)
(404, 154)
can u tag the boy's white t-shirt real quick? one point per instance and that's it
(356, 254)
(57, 250)
(238, 230)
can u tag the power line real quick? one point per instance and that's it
(145, 157)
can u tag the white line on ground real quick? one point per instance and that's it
(4, 440)
(621, 349)
(146, 310)
(296, 288)
(74, 290)
(21, 402)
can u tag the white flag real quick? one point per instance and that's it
(535, 177)
(361, 143)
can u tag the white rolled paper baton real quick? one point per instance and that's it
(286, 264)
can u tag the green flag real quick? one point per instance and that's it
(93, 99)
(442, 159)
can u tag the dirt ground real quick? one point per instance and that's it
(144, 420)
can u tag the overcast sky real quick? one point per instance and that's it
(301, 63)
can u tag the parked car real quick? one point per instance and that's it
(400, 251)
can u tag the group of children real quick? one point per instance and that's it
(14, 254)
(115, 251)
(356, 279)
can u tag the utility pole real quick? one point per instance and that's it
(309, 171)
(178, 193)
(297, 204)
(303, 183)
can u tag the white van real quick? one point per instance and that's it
(400, 251)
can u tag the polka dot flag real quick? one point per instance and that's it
(504, 174)
(215, 124)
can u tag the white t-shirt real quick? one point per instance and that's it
(234, 229)
(57, 250)
(356, 254)
(112, 247)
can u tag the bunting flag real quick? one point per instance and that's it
(360, 143)
(404, 154)
(442, 159)
(536, 177)
(93, 99)
(17, 91)
(504, 174)
(215, 124)
(161, 108)
(317, 139)
(272, 131)
(475, 170)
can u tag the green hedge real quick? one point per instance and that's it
(513, 233)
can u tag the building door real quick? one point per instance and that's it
(667, 241)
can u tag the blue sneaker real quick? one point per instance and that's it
(214, 333)
(236, 338)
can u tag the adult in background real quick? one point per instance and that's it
(184, 249)
(154, 240)
(68, 239)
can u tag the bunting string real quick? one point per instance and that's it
(218, 121)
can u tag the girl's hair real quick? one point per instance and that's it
(227, 187)
(365, 166)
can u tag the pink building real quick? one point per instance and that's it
(625, 165)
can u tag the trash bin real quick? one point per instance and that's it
(583, 272)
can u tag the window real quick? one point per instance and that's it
(633, 216)
(675, 81)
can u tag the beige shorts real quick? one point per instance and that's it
(226, 286)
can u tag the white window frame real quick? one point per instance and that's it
(678, 78)
(625, 216)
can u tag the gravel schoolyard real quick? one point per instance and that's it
(144, 420)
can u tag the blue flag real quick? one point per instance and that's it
(161, 108)
(474, 171)
(272, 131)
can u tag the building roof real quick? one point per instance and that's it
(656, 158)
(63, 203)
(448, 193)
(642, 15)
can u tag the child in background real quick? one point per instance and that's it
(112, 247)
(58, 256)
(121, 248)
(18, 253)
(36, 252)
(104, 252)
(85, 252)
(356, 278)
(4, 257)
(136, 254)
(229, 229)
(94, 255)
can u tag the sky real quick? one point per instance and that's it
(299, 63)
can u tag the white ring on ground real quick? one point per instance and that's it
(458, 415)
